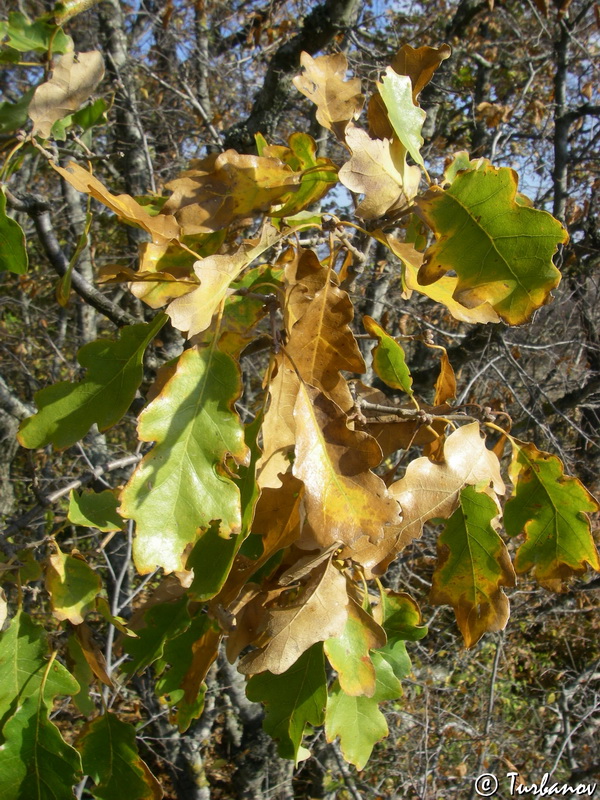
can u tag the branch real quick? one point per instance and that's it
(323, 23)
(11, 404)
(39, 212)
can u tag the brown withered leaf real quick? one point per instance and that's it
(204, 652)
(338, 101)
(378, 169)
(279, 426)
(345, 502)
(93, 654)
(304, 276)
(155, 288)
(429, 490)
(222, 188)
(297, 620)
(162, 228)
(419, 64)
(194, 311)
(74, 78)
(321, 343)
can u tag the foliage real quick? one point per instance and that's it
(276, 536)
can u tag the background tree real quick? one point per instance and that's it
(186, 81)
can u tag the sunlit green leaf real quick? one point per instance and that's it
(68, 410)
(389, 361)
(407, 118)
(95, 510)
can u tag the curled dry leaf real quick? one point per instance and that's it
(290, 626)
(162, 227)
(228, 186)
(429, 490)
(279, 426)
(378, 169)
(74, 78)
(338, 101)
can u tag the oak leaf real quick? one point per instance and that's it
(345, 502)
(74, 78)
(315, 613)
(429, 490)
(551, 509)
(406, 117)
(338, 101)
(181, 485)
(500, 250)
(222, 188)
(473, 564)
(378, 169)
(162, 228)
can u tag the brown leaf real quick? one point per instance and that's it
(430, 490)
(345, 502)
(204, 652)
(162, 228)
(222, 188)
(74, 78)
(300, 619)
(92, 654)
(321, 343)
(279, 426)
(338, 101)
(378, 169)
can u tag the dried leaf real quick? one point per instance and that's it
(338, 101)
(74, 78)
(92, 654)
(162, 227)
(220, 189)
(419, 64)
(316, 613)
(473, 563)
(378, 169)
(345, 502)
(194, 311)
(430, 490)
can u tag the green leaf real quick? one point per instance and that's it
(407, 118)
(357, 720)
(174, 665)
(72, 586)
(38, 36)
(95, 510)
(389, 362)
(23, 662)
(110, 757)
(401, 622)
(13, 253)
(293, 699)
(473, 563)
(181, 486)
(85, 118)
(35, 761)
(551, 509)
(68, 410)
(83, 675)
(349, 653)
(501, 251)
(14, 116)
(163, 621)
